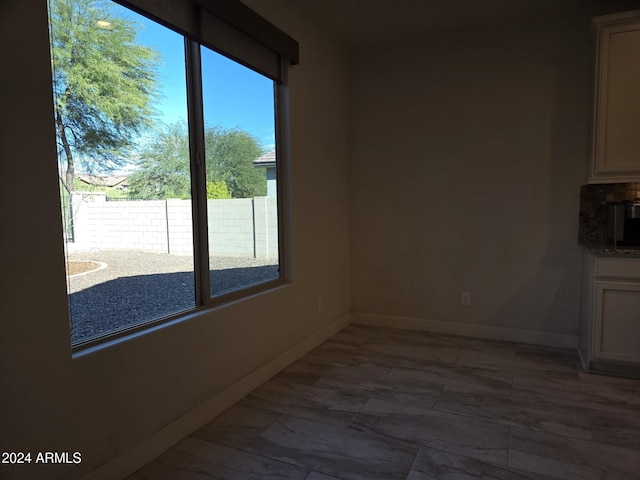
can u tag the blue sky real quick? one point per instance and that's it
(233, 95)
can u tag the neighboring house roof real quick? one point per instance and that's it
(266, 160)
(106, 181)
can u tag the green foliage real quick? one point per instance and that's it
(103, 81)
(218, 189)
(164, 170)
(229, 157)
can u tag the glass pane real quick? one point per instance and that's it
(120, 115)
(241, 174)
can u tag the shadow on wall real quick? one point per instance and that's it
(125, 302)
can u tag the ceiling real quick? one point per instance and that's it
(369, 22)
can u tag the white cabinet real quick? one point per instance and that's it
(615, 150)
(616, 322)
(610, 337)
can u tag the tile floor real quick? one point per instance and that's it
(374, 403)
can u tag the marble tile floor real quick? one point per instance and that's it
(375, 403)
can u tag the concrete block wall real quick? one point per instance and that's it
(231, 227)
(179, 227)
(237, 227)
(130, 225)
(266, 227)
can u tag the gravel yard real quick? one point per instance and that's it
(133, 287)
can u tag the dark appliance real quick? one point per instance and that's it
(624, 223)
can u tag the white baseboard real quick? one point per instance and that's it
(135, 458)
(548, 339)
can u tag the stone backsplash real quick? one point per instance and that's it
(593, 209)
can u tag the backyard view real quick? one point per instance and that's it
(127, 175)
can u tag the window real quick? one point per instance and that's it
(170, 150)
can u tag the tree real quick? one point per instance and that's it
(229, 157)
(103, 81)
(164, 171)
(218, 189)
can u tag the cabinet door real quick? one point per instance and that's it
(616, 142)
(617, 321)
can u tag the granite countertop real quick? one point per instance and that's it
(609, 250)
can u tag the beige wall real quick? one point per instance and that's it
(468, 150)
(105, 403)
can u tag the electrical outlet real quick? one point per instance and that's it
(320, 304)
(465, 299)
